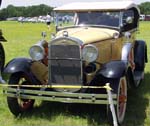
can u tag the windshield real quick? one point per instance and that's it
(110, 19)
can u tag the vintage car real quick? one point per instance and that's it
(2, 56)
(94, 52)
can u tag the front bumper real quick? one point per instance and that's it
(66, 97)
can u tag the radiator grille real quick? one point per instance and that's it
(65, 64)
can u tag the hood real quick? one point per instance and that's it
(89, 34)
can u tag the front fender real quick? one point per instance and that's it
(113, 69)
(18, 65)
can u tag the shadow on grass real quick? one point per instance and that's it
(138, 101)
(94, 114)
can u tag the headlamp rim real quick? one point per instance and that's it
(42, 49)
(93, 46)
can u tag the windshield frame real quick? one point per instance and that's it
(89, 25)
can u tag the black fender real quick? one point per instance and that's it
(113, 69)
(140, 55)
(18, 65)
(21, 65)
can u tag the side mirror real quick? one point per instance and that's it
(129, 20)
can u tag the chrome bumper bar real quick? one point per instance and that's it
(58, 96)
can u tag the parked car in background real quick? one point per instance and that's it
(40, 19)
(142, 17)
(147, 17)
(12, 19)
(99, 48)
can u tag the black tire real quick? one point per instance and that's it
(120, 89)
(18, 106)
(138, 82)
(140, 59)
(2, 57)
(140, 53)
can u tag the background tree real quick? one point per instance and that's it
(30, 11)
(145, 8)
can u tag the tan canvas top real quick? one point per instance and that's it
(97, 6)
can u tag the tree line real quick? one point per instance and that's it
(145, 8)
(30, 11)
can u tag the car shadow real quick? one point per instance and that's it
(96, 114)
(138, 102)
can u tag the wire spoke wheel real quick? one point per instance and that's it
(18, 105)
(25, 103)
(120, 89)
(121, 99)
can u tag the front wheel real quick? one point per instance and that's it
(120, 89)
(17, 105)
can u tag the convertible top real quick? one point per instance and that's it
(97, 6)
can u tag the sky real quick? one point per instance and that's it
(53, 3)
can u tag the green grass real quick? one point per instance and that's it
(20, 37)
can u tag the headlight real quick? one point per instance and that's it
(37, 52)
(90, 53)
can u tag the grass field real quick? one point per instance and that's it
(20, 37)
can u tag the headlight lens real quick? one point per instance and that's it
(90, 53)
(37, 52)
